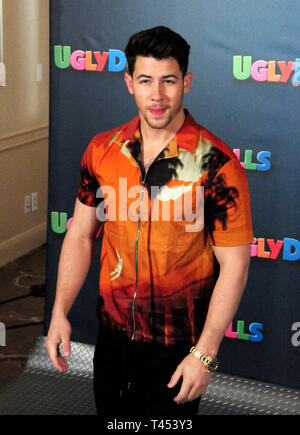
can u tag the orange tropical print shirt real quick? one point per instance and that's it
(157, 268)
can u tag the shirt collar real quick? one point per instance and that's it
(186, 137)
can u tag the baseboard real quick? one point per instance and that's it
(22, 244)
(25, 137)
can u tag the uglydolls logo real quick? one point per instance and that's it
(266, 71)
(89, 60)
(270, 249)
(255, 332)
(262, 163)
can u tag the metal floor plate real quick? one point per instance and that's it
(41, 390)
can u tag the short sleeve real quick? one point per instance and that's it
(229, 212)
(88, 181)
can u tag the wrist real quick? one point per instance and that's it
(208, 345)
(211, 363)
(59, 312)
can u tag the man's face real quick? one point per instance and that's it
(158, 88)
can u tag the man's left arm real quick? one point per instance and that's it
(234, 263)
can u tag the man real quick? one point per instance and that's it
(166, 284)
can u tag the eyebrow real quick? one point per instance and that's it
(168, 76)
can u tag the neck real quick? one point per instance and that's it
(156, 137)
(153, 140)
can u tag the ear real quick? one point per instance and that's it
(128, 81)
(187, 82)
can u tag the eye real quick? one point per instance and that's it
(169, 82)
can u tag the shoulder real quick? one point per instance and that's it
(216, 143)
(105, 137)
(216, 155)
(100, 143)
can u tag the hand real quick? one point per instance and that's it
(195, 379)
(59, 332)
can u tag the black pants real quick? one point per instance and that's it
(130, 378)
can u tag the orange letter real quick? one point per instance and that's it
(272, 77)
(261, 249)
(89, 66)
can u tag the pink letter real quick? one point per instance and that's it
(254, 248)
(230, 333)
(259, 72)
(77, 60)
(69, 222)
(237, 152)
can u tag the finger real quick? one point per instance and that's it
(62, 364)
(66, 347)
(198, 389)
(194, 393)
(52, 349)
(175, 378)
(57, 360)
(183, 393)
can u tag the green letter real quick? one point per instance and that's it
(56, 226)
(248, 160)
(240, 330)
(62, 60)
(240, 73)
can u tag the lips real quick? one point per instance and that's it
(157, 111)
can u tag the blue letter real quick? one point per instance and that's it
(113, 55)
(255, 328)
(297, 71)
(262, 157)
(288, 244)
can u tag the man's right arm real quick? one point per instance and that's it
(74, 263)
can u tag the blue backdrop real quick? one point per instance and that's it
(252, 106)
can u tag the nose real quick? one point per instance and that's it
(157, 91)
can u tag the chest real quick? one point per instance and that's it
(170, 190)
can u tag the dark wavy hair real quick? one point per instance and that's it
(159, 42)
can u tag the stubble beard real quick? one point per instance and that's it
(161, 124)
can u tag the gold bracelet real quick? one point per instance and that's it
(210, 364)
